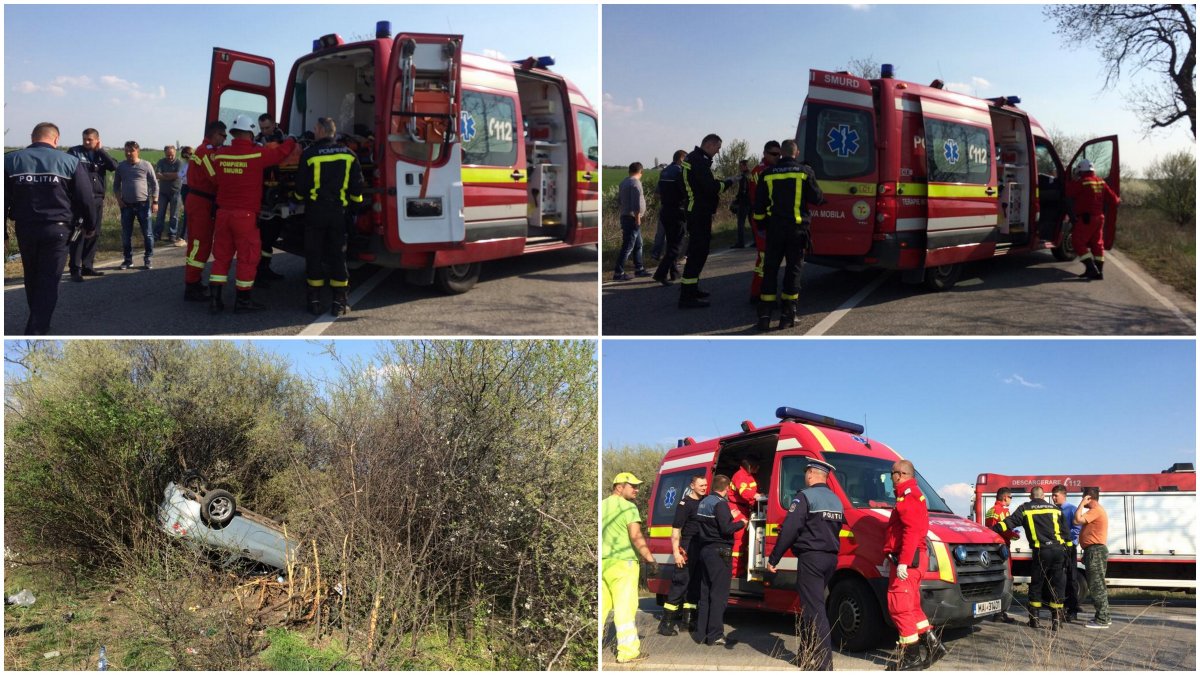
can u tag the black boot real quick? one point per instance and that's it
(666, 626)
(689, 615)
(1089, 269)
(314, 301)
(764, 315)
(787, 315)
(1099, 271)
(265, 272)
(216, 304)
(341, 304)
(689, 297)
(934, 649)
(910, 658)
(245, 303)
(1055, 619)
(1034, 621)
(195, 292)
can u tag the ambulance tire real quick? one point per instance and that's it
(457, 279)
(218, 508)
(854, 616)
(942, 278)
(1062, 255)
(1081, 585)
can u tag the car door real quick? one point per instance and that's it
(239, 84)
(1105, 155)
(587, 175)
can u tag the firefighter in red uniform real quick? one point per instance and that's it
(905, 548)
(238, 170)
(770, 156)
(200, 206)
(1089, 195)
(743, 498)
(994, 515)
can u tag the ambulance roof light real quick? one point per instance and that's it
(886, 71)
(786, 413)
(316, 45)
(331, 40)
(383, 29)
(1012, 100)
(1181, 467)
(532, 62)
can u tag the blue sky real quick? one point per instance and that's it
(675, 73)
(957, 408)
(141, 71)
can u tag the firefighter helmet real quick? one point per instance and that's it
(1084, 165)
(242, 123)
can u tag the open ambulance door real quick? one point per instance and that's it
(1105, 156)
(240, 84)
(837, 139)
(425, 101)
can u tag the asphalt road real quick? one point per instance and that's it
(551, 293)
(1018, 295)
(1142, 638)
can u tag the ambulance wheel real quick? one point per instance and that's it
(942, 278)
(855, 616)
(217, 508)
(1082, 591)
(457, 279)
(1061, 254)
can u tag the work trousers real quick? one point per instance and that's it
(236, 235)
(1087, 235)
(201, 223)
(904, 603)
(1095, 560)
(760, 245)
(714, 592)
(619, 595)
(743, 213)
(1071, 585)
(83, 249)
(699, 229)
(785, 243)
(814, 569)
(685, 581)
(741, 540)
(325, 245)
(1047, 578)
(269, 229)
(43, 249)
(673, 223)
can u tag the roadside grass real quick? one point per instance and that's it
(290, 651)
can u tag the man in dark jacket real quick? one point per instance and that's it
(97, 163)
(1048, 534)
(781, 202)
(672, 218)
(45, 191)
(715, 535)
(702, 192)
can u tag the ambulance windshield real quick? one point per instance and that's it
(866, 481)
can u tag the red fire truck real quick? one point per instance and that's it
(968, 574)
(1151, 523)
(921, 179)
(467, 158)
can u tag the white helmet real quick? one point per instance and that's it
(242, 123)
(1084, 164)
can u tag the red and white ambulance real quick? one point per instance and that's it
(921, 179)
(1151, 523)
(968, 576)
(467, 158)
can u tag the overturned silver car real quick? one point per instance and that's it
(212, 519)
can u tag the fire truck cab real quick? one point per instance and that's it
(466, 158)
(968, 576)
(921, 179)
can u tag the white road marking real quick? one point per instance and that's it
(836, 315)
(1137, 278)
(326, 320)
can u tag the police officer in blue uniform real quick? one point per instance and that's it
(98, 163)
(45, 190)
(811, 530)
(716, 528)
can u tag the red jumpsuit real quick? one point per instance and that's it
(760, 233)
(905, 540)
(238, 170)
(743, 488)
(201, 211)
(1090, 194)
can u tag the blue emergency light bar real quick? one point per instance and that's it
(383, 29)
(1013, 100)
(795, 415)
(886, 70)
(536, 62)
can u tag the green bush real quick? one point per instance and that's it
(1173, 187)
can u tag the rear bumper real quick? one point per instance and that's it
(895, 251)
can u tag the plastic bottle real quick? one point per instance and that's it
(103, 658)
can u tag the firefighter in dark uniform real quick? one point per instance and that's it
(269, 228)
(1047, 532)
(701, 193)
(781, 205)
(715, 531)
(328, 180)
(812, 532)
(46, 192)
(685, 580)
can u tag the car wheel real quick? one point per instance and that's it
(217, 508)
(193, 481)
(943, 277)
(854, 616)
(457, 279)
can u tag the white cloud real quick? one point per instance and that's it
(611, 105)
(133, 89)
(81, 82)
(495, 54)
(958, 497)
(1017, 379)
(980, 82)
(860, 8)
(976, 86)
(117, 83)
(27, 87)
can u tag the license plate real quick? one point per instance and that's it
(985, 608)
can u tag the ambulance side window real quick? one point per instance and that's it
(668, 493)
(490, 131)
(589, 136)
(1046, 159)
(791, 479)
(957, 153)
(841, 143)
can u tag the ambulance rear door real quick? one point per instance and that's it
(1105, 155)
(424, 85)
(837, 138)
(239, 84)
